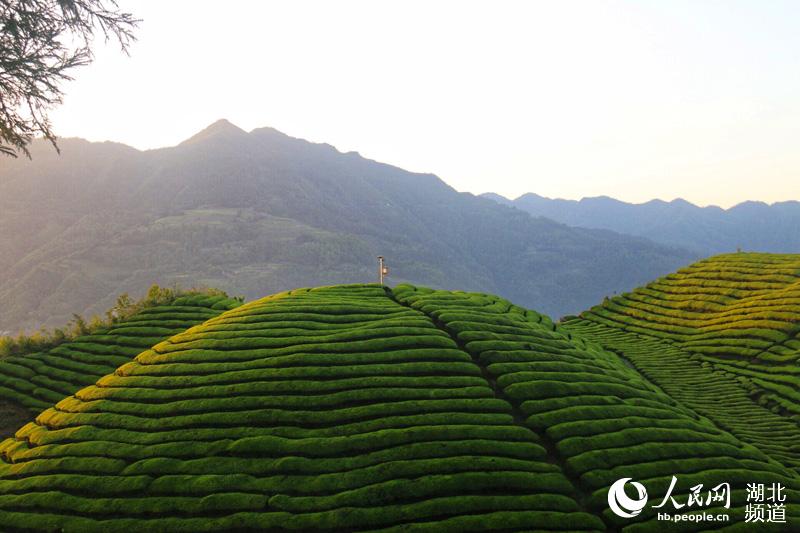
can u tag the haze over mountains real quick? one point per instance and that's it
(753, 226)
(259, 212)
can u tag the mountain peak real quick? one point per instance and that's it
(531, 196)
(224, 125)
(682, 203)
(220, 128)
(494, 196)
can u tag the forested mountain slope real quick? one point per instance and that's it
(259, 212)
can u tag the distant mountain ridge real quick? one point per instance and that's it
(755, 226)
(261, 212)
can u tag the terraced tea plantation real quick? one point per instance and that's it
(602, 419)
(36, 381)
(356, 408)
(716, 394)
(740, 313)
(721, 337)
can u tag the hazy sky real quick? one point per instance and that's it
(636, 100)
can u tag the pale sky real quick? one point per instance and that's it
(635, 100)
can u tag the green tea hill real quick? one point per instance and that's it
(32, 382)
(357, 408)
(720, 336)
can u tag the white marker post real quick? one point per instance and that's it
(383, 270)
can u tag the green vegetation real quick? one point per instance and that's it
(333, 408)
(361, 408)
(720, 336)
(123, 309)
(45, 368)
(738, 313)
(714, 393)
(603, 419)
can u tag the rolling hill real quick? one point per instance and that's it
(260, 212)
(359, 408)
(706, 231)
(721, 336)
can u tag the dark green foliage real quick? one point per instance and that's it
(41, 44)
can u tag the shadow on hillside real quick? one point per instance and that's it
(12, 417)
